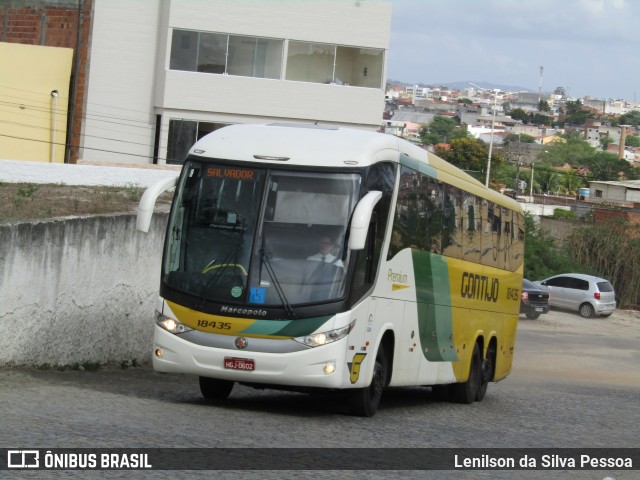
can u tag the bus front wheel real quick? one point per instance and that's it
(364, 401)
(213, 389)
(466, 392)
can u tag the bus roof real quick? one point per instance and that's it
(330, 146)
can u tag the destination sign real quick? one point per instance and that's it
(234, 173)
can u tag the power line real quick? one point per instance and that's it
(79, 147)
(81, 135)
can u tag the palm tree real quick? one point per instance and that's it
(547, 180)
(572, 182)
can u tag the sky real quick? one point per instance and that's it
(589, 47)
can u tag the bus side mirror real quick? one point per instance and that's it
(361, 219)
(148, 202)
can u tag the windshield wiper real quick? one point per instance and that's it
(264, 260)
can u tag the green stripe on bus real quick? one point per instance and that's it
(418, 165)
(286, 328)
(434, 307)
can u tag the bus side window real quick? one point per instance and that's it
(452, 223)
(381, 177)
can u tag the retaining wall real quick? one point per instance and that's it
(78, 290)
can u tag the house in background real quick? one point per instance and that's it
(162, 73)
(625, 193)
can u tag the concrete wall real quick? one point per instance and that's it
(78, 290)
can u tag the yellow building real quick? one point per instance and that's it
(34, 91)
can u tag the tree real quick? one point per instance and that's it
(548, 180)
(518, 138)
(632, 141)
(573, 150)
(572, 182)
(607, 166)
(631, 118)
(543, 106)
(575, 115)
(520, 114)
(438, 130)
(539, 119)
(542, 257)
(572, 107)
(605, 141)
(471, 154)
(611, 251)
(560, 91)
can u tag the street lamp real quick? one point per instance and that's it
(54, 97)
(493, 92)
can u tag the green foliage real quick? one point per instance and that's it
(28, 190)
(563, 214)
(607, 166)
(133, 191)
(542, 257)
(574, 151)
(632, 141)
(539, 119)
(547, 180)
(611, 251)
(543, 106)
(439, 130)
(605, 141)
(518, 138)
(470, 154)
(631, 118)
(519, 114)
(572, 182)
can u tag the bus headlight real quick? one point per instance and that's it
(171, 325)
(323, 338)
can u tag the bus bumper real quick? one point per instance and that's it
(307, 368)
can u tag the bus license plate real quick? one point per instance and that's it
(233, 363)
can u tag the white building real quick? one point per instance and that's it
(163, 73)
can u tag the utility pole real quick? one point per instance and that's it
(531, 184)
(540, 84)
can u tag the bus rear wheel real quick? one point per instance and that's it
(214, 389)
(487, 372)
(466, 392)
(365, 401)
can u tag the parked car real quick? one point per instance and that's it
(586, 294)
(535, 300)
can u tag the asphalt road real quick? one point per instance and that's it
(575, 383)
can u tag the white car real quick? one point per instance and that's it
(586, 294)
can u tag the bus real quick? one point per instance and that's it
(307, 257)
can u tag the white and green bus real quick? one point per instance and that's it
(307, 257)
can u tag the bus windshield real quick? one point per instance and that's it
(259, 237)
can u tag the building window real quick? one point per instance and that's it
(184, 50)
(322, 63)
(258, 57)
(212, 53)
(254, 57)
(599, 193)
(226, 54)
(183, 134)
(310, 62)
(360, 67)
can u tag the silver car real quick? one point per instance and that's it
(587, 294)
